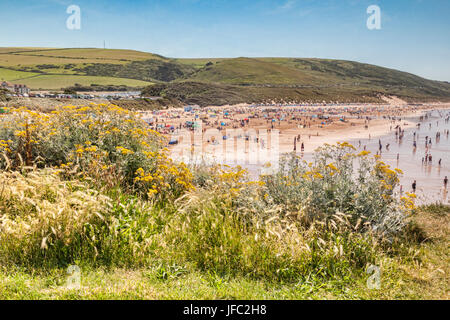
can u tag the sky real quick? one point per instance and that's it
(414, 34)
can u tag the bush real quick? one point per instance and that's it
(104, 143)
(339, 181)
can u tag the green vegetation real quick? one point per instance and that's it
(13, 75)
(418, 273)
(93, 186)
(99, 88)
(147, 70)
(217, 81)
(205, 94)
(3, 95)
(55, 82)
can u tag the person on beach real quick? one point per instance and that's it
(414, 185)
(445, 182)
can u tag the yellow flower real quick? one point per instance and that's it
(124, 151)
(18, 133)
(318, 175)
(332, 167)
(363, 153)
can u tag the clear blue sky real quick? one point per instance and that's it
(414, 35)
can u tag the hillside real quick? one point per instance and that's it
(216, 81)
(320, 73)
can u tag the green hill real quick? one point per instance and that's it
(291, 72)
(216, 81)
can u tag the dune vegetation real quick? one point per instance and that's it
(93, 186)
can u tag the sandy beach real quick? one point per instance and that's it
(252, 136)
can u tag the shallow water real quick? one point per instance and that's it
(429, 176)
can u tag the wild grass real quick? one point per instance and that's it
(419, 274)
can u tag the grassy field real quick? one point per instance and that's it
(94, 54)
(11, 75)
(243, 71)
(30, 57)
(55, 82)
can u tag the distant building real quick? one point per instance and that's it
(7, 86)
(21, 89)
(16, 88)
